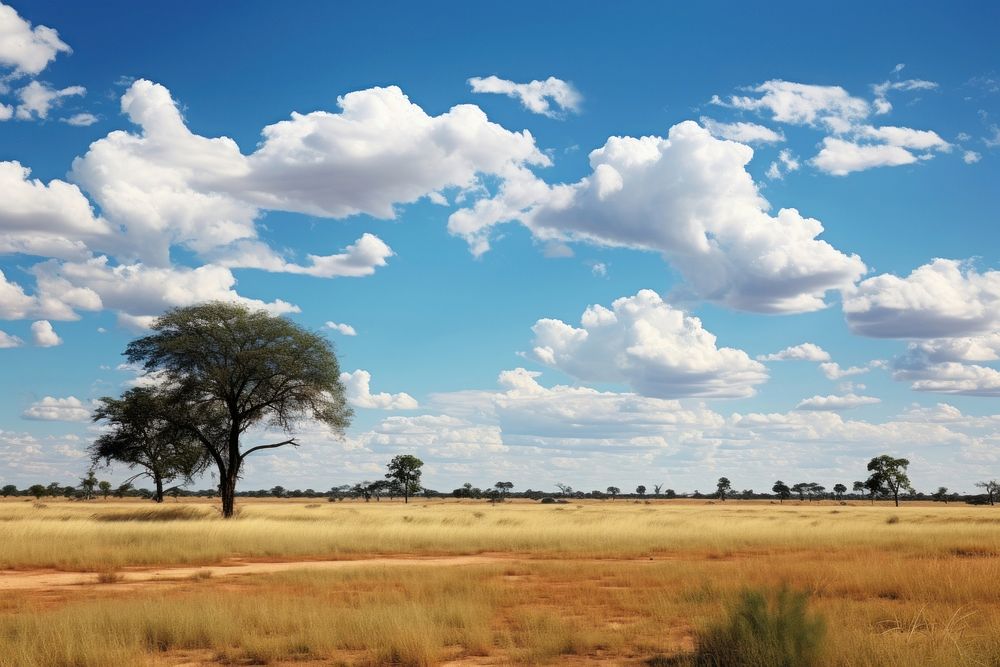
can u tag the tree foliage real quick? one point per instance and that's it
(141, 435)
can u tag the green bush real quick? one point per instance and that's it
(756, 634)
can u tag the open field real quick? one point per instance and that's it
(468, 583)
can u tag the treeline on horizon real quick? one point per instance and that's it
(90, 488)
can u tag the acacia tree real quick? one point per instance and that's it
(992, 489)
(613, 491)
(656, 489)
(723, 486)
(781, 490)
(226, 368)
(503, 488)
(142, 436)
(641, 490)
(889, 473)
(404, 472)
(839, 490)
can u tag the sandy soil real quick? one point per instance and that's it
(37, 580)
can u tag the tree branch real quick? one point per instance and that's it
(290, 441)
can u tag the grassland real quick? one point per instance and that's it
(589, 583)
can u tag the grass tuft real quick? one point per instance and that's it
(756, 634)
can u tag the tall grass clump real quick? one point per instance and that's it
(758, 634)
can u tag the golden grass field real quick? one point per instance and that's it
(466, 583)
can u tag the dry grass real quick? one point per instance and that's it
(920, 591)
(74, 536)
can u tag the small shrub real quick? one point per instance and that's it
(201, 575)
(547, 501)
(892, 519)
(108, 577)
(757, 634)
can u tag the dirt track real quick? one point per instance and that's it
(50, 579)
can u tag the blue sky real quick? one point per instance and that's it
(571, 242)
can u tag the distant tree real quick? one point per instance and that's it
(88, 484)
(656, 489)
(815, 490)
(872, 486)
(364, 489)
(105, 488)
(800, 488)
(992, 489)
(404, 470)
(143, 436)
(55, 489)
(613, 491)
(941, 495)
(564, 489)
(37, 490)
(503, 488)
(723, 486)
(781, 490)
(227, 368)
(891, 474)
(670, 493)
(839, 490)
(8, 490)
(641, 490)
(278, 491)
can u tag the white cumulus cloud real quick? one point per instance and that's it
(44, 335)
(653, 348)
(552, 97)
(358, 388)
(835, 403)
(50, 408)
(801, 352)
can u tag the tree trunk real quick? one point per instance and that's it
(895, 496)
(227, 490)
(158, 481)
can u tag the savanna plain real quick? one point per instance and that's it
(446, 582)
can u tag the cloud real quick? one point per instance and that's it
(361, 258)
(357, 385)
(343, 329)
(948, 377)
(743, 132)
(8, 341)
(836, 403)
(971, 157)
(882, 105)
(648, 345)
(785, 164)
(833, 371)
(37, 99)
(25, 49)
(945, 298)
(44, 335)
(69, 409)
(81, 120)
(50, 220)
(689, 197)
(801, 352)
(599, 269)
(905, 137)
(802, 104)
(381, 150)
(840, 157)
(552, 97)
(138, 292)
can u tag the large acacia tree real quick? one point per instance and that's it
(141, 436)
(225, 368)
